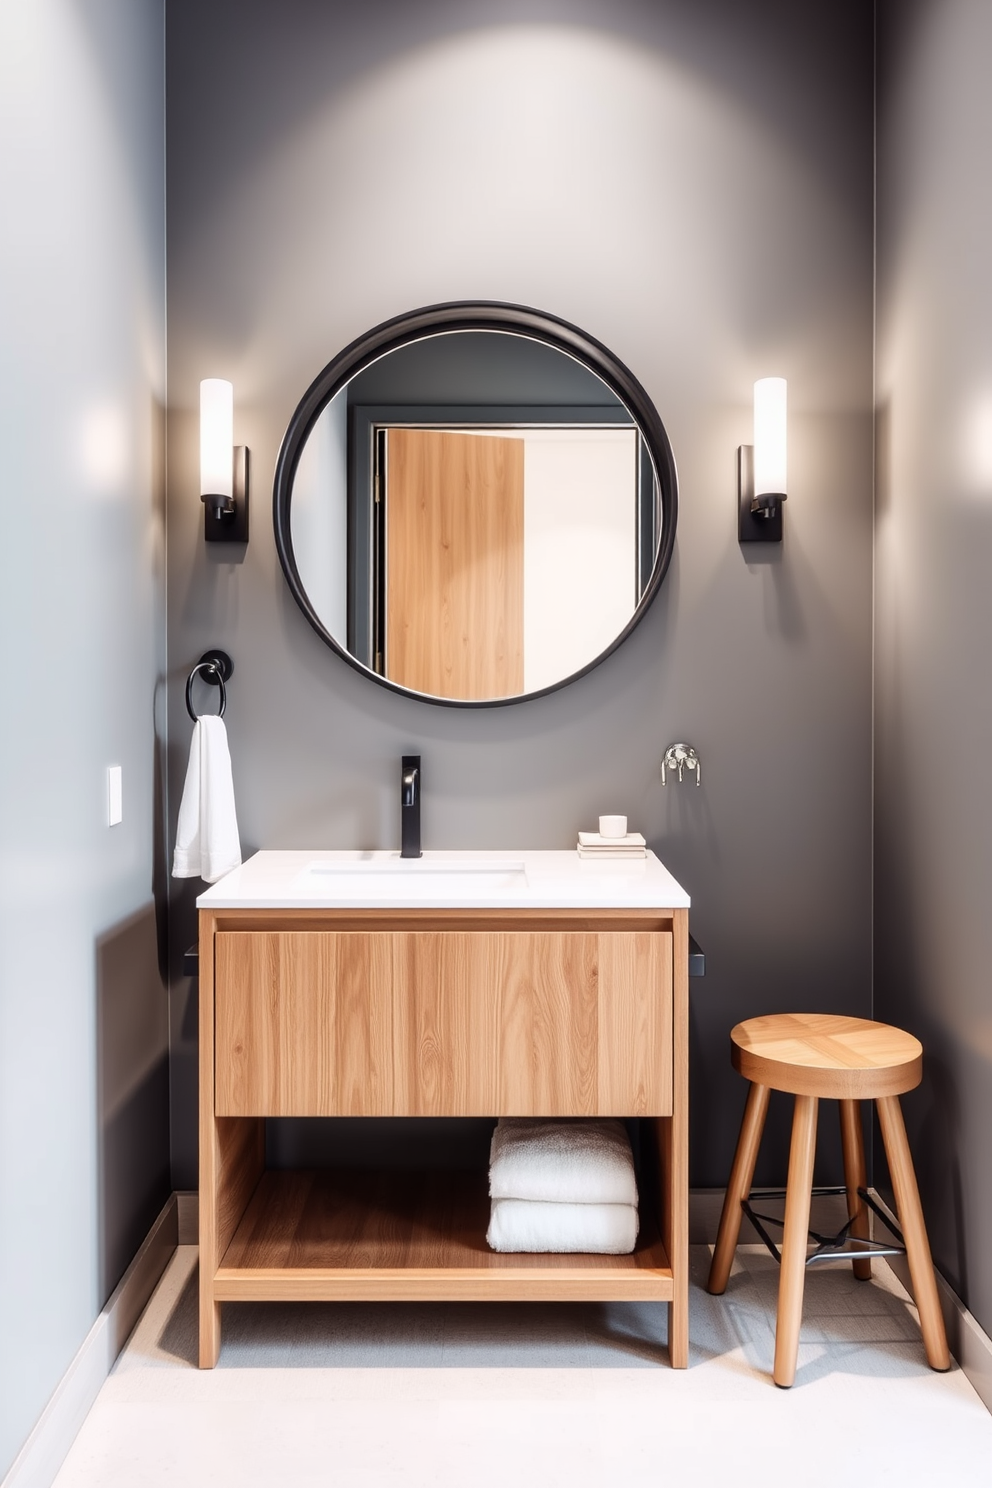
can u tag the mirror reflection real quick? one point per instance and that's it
(474, 516)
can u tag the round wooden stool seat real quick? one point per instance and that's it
(826, 1055)
(823, 1056)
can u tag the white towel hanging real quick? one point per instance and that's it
(207, 841)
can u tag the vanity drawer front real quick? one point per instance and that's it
(443, 1023)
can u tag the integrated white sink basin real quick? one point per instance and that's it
(466, 878)
(443, 880)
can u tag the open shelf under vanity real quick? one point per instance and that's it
(384, 1236)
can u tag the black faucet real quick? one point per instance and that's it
(410, 806)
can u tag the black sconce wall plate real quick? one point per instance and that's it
(762, 526)
(231, 527)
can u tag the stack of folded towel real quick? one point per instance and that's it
(562, 1186)
(594, 845)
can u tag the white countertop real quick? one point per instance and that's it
(316, 879)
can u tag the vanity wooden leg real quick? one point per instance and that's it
(741, 1177)
(794, 1242)
(673, 1213)
(209, 1330)
(675, 1146)
(210, 1161)
(910, 1211)
(211, 1154)
(855, 1177)
(678, 1331)
(232, 1161)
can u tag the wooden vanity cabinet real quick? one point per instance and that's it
(335, 1012)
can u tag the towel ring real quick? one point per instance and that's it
(216, 667)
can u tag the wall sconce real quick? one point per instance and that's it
(223, 466)
(761, 479)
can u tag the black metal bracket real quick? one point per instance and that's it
(840, 1247)
(220, 526)
(765, 524)
(216, 668)
(697, 960)
(191, 961)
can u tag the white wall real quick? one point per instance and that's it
(83, 1134)
(580, 547)
(934, 605)
(320, 516)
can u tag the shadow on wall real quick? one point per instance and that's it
(933, 1123)
(160, 704)
(346, 44)
(932, 1112)
(132, 1090)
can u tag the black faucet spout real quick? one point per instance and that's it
(410, 807)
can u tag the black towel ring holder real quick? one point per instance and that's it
(216, 668)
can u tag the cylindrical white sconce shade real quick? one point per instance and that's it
(216, 438)
(769, 439)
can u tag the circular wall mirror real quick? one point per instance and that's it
(475, 503)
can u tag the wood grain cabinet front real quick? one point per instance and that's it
(443, 1022)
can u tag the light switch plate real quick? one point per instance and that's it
(115, 795)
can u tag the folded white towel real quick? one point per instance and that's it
(563, 1162)
(207, 842)
(526, 1225)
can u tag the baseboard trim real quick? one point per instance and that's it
(45, 1450)
(966, 1339)
(188, 1203)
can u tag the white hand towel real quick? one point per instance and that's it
(599, 1229)
(207, 842)
(563, 1162)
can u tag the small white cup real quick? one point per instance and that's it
(612, 826)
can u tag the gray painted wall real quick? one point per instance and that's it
(692, 184)
(84, 1152)
(934, 604)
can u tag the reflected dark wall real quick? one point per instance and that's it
(471, 367)
(690, 181)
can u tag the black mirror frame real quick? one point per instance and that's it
(473, 315)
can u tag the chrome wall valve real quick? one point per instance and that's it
(681, 757)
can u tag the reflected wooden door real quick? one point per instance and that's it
(454, 563)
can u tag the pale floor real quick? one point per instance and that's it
(518, 1395)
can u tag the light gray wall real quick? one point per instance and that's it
(691, 182)
(934, 604)
(83, 1013)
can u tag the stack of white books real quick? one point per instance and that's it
(595, 845)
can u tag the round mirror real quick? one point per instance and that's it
(475, 503)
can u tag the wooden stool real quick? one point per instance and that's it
(820, 1056)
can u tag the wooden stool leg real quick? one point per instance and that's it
(855, 1177)
(914, 1230)
(795, 1240)
(739, 1187)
